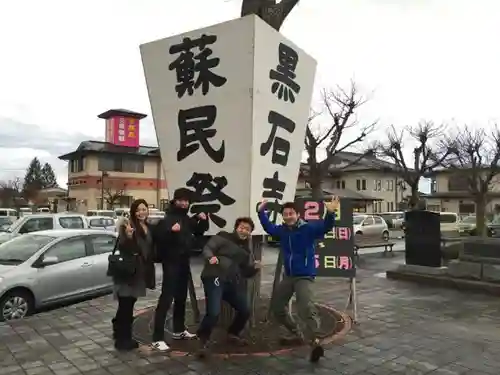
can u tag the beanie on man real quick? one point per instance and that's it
(183, 194)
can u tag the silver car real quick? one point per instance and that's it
(49, 267)
(102, 222)
(370, 226)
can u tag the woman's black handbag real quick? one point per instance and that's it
(121, 267)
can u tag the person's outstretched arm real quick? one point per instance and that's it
(270, 228)
(321, 227)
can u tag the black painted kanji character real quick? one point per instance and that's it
(284, 85)
(274, 189)
(188, 64)
(281, 147)
(209, 196)
(195, 130)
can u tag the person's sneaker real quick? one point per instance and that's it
(186, 335)
(317, 351)
(236, 340)
(203, 349)
(126, 345)
(161, 346)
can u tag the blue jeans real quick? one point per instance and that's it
(217, 291)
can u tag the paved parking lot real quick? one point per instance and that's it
(405, 329)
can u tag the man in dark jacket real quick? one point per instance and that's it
(297, 243)
(227, 260)
(175, 237)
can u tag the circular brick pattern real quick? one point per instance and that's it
(263, 337)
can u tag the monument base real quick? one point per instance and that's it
(423, 270)
(445, 280)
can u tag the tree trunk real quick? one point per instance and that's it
(315, 180)
(252, 287)
(481, 216)
(270, 12)
(413, 204)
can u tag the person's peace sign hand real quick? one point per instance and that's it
(129, 231)
(333, 205)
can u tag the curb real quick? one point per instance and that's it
(345, 319)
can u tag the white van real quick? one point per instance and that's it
(24, 211)
(44, 210)
(449, 224)
(107, 213)
(9, 212)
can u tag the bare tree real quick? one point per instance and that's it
(273, 12)
(475, 154)
(11, 192)
(112, 196)
(340, 108)
(427, 154)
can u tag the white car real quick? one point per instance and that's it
(102, 222)
(39, 222)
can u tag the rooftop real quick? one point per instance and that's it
(88, 147)
(121, 112)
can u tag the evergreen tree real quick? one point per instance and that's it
(33, 181)
(48, 177)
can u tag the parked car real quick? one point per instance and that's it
(467, 225)
(101, 222)
(108, 213)
(51, 267)
(6, 222)
(39, 222)
(394, 220)
(370, 226)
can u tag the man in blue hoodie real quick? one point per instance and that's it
(297, 240)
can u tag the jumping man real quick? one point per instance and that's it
(297, 242)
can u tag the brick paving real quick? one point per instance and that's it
(405, 329)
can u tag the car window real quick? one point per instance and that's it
(103, 244)
(448, 218)
(67, 250)
(37, 224)
(71, 222)
(96, 223)
(357, 220)
(378, 220)
(20, 249)
(368, 221)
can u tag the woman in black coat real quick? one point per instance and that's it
(135, 238)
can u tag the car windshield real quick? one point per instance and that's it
(107, 213)
(20, 249)
(356, 220)
(469, 220)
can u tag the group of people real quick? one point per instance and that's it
(228, 260)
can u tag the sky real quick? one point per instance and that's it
(64, 62)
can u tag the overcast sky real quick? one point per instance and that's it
(63, 62)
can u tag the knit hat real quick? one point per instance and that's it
(183, 194)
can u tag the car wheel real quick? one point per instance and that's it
(385, 236)
(16, 304)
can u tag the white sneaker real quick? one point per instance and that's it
(186, 335)
(160, 346)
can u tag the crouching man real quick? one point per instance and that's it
(228, 259)
(297, 242)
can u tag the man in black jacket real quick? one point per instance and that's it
(227, 260)
(175, 238)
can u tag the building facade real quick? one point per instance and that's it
(449, 192)
(372, 183)
(104, 175)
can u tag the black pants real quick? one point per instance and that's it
(174, 289)
(124, 318)
(217, 291)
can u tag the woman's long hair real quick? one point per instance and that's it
(133, 218)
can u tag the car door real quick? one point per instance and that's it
(368, 226)
(101, 247)
(378, 226)
(36, 224)
(69, 277)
